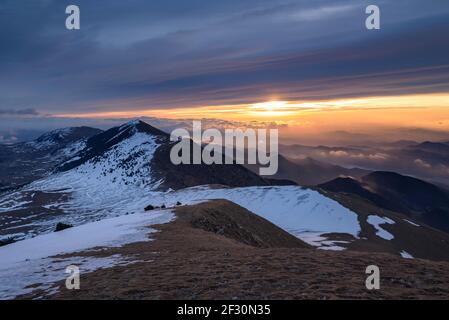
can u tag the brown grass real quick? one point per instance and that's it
(188, 260)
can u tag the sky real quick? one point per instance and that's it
(310, 66)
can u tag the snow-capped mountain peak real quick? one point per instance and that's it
(101, 144)
(137, 125)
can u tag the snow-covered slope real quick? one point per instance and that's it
(126, 163)
(304, 213)
(32, 261)
(99, 145)
(105, 186)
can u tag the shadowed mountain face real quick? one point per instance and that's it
(189, 175)
(352, 186)
(417, 199)
(308, 171)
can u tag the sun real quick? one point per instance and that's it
(269, 106)
(270, 109)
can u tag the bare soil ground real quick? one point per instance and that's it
(215, 251)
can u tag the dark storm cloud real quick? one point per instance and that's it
(144, 54)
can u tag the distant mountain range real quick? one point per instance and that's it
(428, 160)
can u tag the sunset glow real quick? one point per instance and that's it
(418, 110)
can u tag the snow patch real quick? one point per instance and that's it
(11, 204)
(406, 255)
(376, 221)
(316, 239)
(71, 150)
(412, 223)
